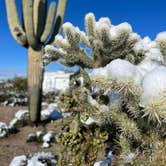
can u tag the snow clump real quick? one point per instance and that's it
(37, 159)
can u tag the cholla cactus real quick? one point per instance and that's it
(161, 41)
(35, 32)
(105, 41)
(124, 95)
(142, 90)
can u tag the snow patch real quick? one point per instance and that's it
(22, 114)
(49, 136)
(115, 98)
(51, 113)
(89, 121)
(19, 161)
(4, 130)
(123, 71)
(37, 159)
(154, 86)
(144, 45)
(105, 162)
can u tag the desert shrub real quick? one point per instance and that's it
(19, 84)
(14, 91)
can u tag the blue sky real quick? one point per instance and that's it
(147, 17)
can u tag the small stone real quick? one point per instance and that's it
(31, 137)
(4, 130)
(46, 145)
(19, 161)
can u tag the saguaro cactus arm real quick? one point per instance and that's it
(39, 16)
(28, 21)
(59, 19)
(14, 24)
(49, 22)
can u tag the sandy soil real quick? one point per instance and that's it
(16, 144)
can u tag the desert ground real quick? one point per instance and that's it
(16, 144)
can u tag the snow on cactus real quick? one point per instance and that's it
(123, 71)
(144, 45)
(154, 54)
(135, 68)
(104, 40)
(154, 86)
(153, 58)
(161, 42)
(153, 97)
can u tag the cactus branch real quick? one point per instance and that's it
(39, 16)
(59, 19)
(14, 24)
(28, 21)
(49, 22)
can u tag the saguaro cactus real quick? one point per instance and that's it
(37, 30)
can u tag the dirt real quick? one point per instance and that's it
(16, 144)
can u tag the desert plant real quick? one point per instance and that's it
(19, 84)
(106, 42)
(35, 32)
(123, 99)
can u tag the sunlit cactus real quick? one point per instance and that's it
(104, 40)
(37, 29)
(126, 89)
(161, 41)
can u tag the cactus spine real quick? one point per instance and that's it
(36, 31)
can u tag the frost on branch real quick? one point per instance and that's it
(104, 40)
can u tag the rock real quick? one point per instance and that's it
(50, 136)
(31, 137)
(22, 114)
(4, 130)
(37, 159)
(51, 113)
(45, 145)
(5, 103)
(35, 136)
(12, 104)
(20, 120)
(105, 162)
(39, 134)
(19, 161)
(16, 123)
(44, 104)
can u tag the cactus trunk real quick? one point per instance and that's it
(35, 77)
